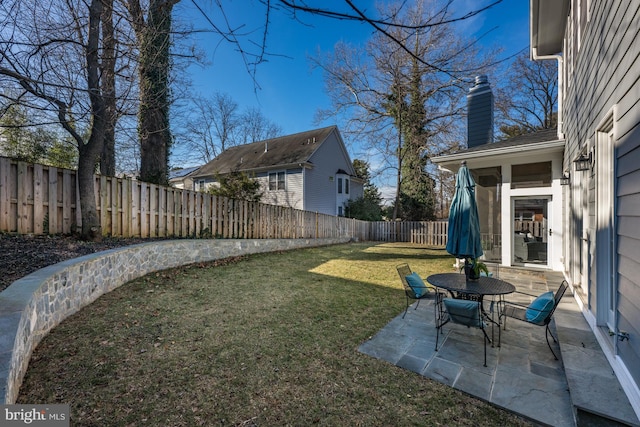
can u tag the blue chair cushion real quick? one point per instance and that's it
(540, 308)
(464, 312)
(417, 285)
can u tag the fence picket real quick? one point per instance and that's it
(38, 207)
(68, 197)
(52, 202)
(135, 209)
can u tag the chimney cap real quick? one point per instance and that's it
(482, 79)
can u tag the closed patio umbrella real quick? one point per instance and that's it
(464, 240)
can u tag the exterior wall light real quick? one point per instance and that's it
(566, 179)
(583, 162)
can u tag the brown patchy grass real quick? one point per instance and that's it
(264, 340)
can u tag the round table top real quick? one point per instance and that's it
(459, 283)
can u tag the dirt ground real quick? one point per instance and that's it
(21, 255)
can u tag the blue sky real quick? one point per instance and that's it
(289, 93)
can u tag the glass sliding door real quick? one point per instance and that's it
(530, 231)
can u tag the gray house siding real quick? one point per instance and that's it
(322, 177)
(602, 65)
(628, 234)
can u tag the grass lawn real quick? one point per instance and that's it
(263, 340)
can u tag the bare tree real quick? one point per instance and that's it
(211, 126)
(216, 123)
(528, 102)
(399, 96)
(53, 61)
(255, 126)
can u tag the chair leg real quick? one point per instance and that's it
(546, 334)
(407, 307)
(486, 338)
(438, 317)
(485, 350)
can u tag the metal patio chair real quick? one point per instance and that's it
(539, 312)
(463, 312)
(414, 287)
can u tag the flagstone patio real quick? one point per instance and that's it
(521, 375)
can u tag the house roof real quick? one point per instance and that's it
(528, 138)
(283, 151)
(546, 139)
(181, 173)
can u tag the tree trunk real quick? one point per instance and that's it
(88, 153)
(91, 229)
(108, 155)
(153, 117)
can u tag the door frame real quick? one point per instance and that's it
(605, 233)
(548, 231)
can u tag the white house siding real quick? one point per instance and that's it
(601, 74)
(320, 181)
(291, 196)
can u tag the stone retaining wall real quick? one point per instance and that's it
(35, 304)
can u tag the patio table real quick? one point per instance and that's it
(458, 283)
(454, 282)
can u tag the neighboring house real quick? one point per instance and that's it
(181, 178)
(309, 171)
(591, 224)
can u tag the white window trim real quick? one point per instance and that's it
(277, 173)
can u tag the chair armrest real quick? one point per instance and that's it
(511, 303)
(516, 311)
(525, 293)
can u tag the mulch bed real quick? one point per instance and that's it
(21, 255)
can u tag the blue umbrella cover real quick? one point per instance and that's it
(463, 239)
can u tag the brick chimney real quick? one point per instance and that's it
(480, 113)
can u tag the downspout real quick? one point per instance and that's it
(536, 57)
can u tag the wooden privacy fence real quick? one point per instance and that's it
(38, 199)
(431, 233)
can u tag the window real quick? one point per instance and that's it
(531, 175)
(201, 185)
(339, 185)
(276, 181)
(346, 186)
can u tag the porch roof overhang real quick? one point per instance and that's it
(493, 154)
(547, 25)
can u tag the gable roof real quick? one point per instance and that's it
(289, 150)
